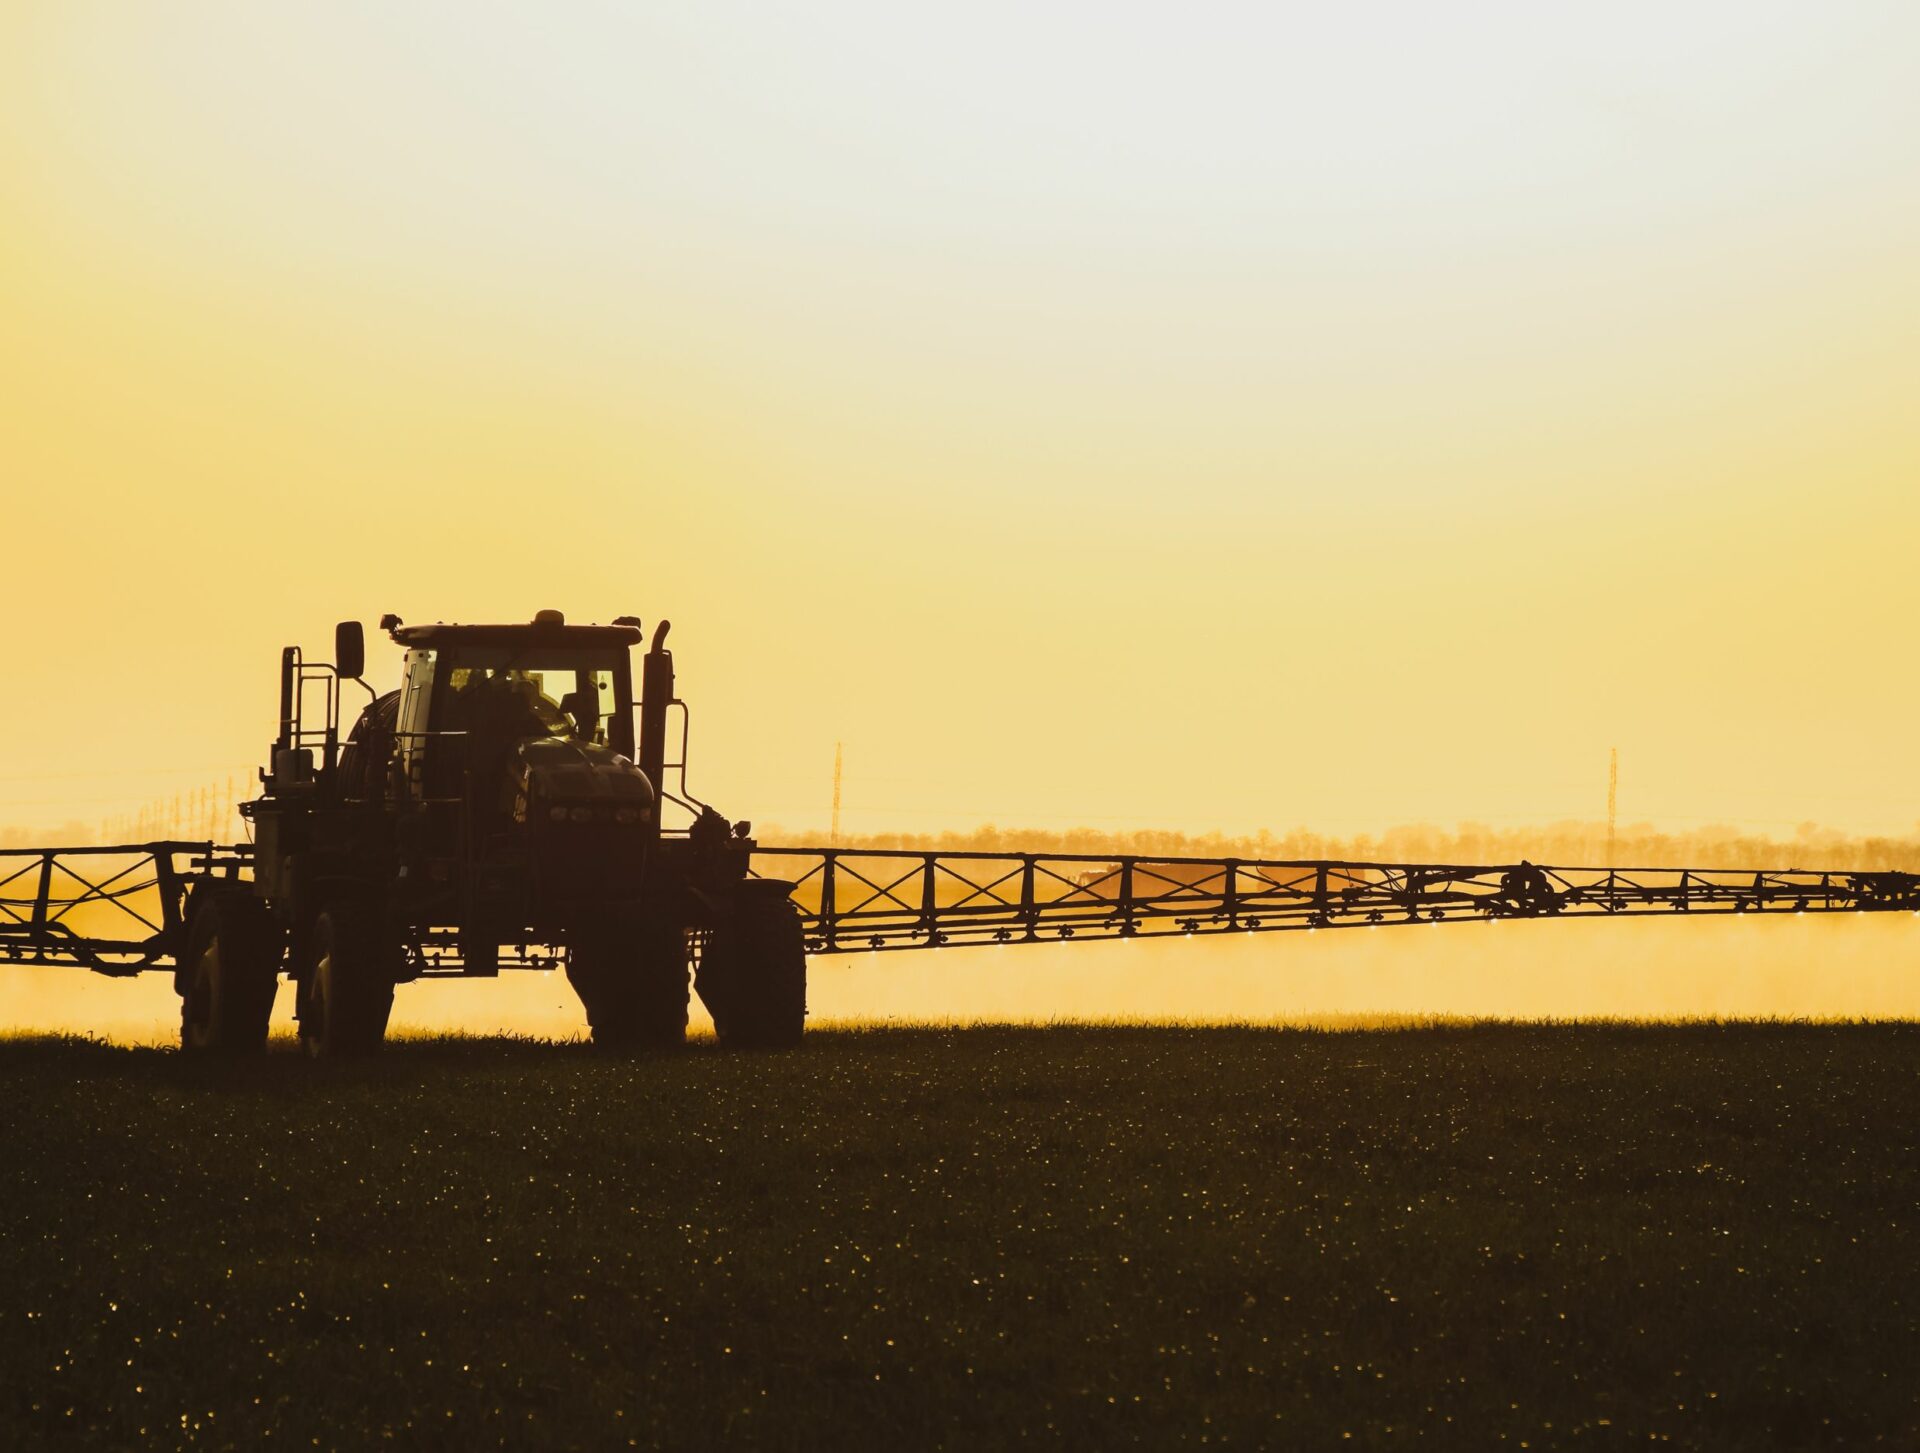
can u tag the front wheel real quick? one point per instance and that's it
(632, 981)
(753, 974)
(346, 993)
(228, 976)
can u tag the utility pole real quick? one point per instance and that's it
(1613, 801)
(833, 837)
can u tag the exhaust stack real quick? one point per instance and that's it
(656, 694)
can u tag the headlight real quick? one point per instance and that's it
(625, 814)
(557, 814)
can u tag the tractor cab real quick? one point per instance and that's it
(476, 700)
(510, 769)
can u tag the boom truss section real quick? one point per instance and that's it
(859, 899)
(121, 910)
(116, 910)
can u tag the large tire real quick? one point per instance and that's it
(346, 990)
(753, 975)
(228, 975)
(632, 981)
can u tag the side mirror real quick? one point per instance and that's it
(349, 650)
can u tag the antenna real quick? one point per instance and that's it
(833, 837)
(1613, 800)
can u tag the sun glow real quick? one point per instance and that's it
(1230, 417)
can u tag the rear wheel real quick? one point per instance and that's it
(632, 981)
(228, 976)
(753, 974)
(346, 993)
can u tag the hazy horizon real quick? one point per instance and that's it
(1570, 842)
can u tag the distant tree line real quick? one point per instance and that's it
(206, 813)
(1568, 844)
(73, 834)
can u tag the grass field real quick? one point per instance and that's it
(1520, 1236)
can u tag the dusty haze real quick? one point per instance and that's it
(1820, 966)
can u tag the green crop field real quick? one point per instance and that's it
(1526, 1236)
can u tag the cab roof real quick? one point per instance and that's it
(442, 633)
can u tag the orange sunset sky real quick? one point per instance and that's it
(1201, 416)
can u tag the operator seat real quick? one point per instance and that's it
(369, 748)
(500, 715)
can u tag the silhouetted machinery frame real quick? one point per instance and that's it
(469, 822)
(397, 879)
(128, 915)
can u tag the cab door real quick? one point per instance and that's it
(412, 740)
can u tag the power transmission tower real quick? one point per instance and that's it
(1613, 801)
(834, 836)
